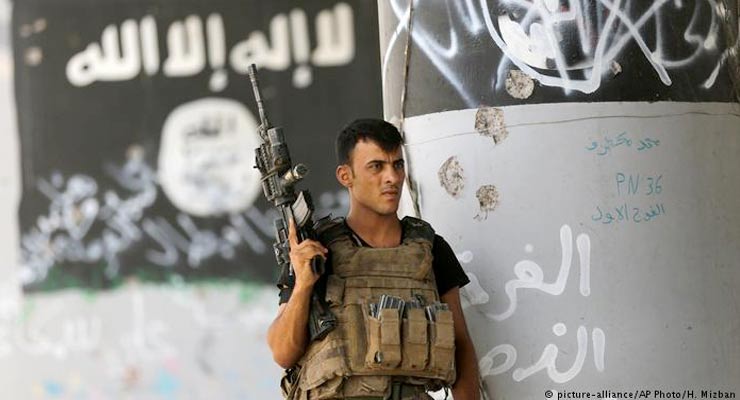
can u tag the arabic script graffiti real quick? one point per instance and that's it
(125, 51)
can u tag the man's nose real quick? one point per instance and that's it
(393, 175)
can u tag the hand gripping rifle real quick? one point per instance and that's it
(279, 177)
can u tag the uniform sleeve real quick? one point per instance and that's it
(447, 270)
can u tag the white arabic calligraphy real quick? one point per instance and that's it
(86, 226)
(529, 274)
(548, 358)
(185, 44)
(190, 48)
(108, 61)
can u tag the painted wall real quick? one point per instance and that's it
(138, 125)
(581, 157)
(140, 341)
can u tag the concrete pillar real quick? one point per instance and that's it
(582, 157)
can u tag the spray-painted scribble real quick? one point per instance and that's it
(142, 339)
(86, 226)
(74, 208)
(571, 44)
(473, 293)
(78, 335)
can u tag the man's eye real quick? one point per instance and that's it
(399, 165)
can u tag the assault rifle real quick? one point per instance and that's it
(279, 177)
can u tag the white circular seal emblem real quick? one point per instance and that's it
(206, 157)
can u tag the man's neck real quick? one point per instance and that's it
(377, 230)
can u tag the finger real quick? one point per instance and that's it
(313, 244)
(310, 254)
(313, 248)
(292, 236)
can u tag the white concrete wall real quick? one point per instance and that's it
(569, 291)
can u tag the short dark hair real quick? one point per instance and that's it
(383, 133)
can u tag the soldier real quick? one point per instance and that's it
(393, 285)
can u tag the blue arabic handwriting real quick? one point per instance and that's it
(628, 213)
(604, 146)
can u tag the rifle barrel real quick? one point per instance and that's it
(252, 71)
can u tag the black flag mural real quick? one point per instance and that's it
(138, 128)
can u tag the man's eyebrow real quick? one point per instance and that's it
(385, 162)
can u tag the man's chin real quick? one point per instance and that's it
(386, 211)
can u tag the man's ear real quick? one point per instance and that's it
(344, 175)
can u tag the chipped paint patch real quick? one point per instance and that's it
(38, 26)
(519, 85)
(487, 200)
(616, 68)
(33, 56)
(489, 121)
(451, 177)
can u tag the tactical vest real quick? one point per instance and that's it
(364, 352)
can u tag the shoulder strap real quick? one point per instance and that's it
(329, 230)
(415, 228)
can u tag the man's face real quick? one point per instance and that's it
(375, 179)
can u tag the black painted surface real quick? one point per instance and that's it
(89, 131)
(455, 62)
